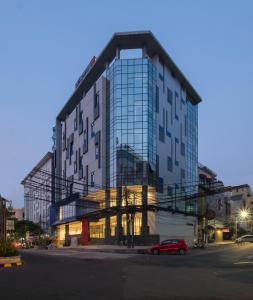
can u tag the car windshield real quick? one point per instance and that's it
(166, 242)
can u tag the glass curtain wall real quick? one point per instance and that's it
(132, 132)
(192, 153)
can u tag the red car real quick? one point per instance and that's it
(169, 246)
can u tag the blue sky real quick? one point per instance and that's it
(45, 46)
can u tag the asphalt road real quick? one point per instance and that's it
(222, 272)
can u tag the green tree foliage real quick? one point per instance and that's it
(24, 226)
(7, 248)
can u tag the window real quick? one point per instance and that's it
(75, 120)
(92, 179)
(97, 147)
(71, 146)
(182, 149)
(85, 137)
(161, 134)
(176, 100)
(167, 242)
(96, 105)
(92, 131)
(75, 163)
(182, 102)
(80, 165)
(169, 99)
(80, 122)
(64, 136)
(161, 76)
(169, 96)
(176, 143)
(170, 191)
(85, 142)
(169, 164)
(157, 99)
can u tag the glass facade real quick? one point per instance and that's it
(132, 132)
(192, 147)
(67, 211)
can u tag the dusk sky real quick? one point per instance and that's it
(46, 45)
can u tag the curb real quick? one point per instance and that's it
(8, 262)
(17, 264)
(119, 251)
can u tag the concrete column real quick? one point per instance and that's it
(67, 237)
(117, 53)
(144, 220)
(144, 52)
(85, 232)
(119, 228)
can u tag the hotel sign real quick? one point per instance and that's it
(86, 71)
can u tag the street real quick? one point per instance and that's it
(220, 272)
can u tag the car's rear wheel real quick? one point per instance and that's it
(156, 252)
(181, 251)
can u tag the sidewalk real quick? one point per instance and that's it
(221, 243)
(108, 249)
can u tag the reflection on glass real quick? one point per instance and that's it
(132, 134)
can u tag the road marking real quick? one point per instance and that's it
(243, 262)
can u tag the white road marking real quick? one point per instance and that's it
(243, 262)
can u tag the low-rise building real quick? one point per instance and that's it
(241, 199)
(38, 193)
(214, 206)
(18, 213)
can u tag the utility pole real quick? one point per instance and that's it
(236, 230)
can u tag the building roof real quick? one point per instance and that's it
(45, 159)
(206, 170)
(127, 40)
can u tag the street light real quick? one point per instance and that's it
(243, 214)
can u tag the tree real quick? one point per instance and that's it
(24, 226)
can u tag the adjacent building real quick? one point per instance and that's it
(242, 199)
(18, 213)
(220, 207)
(214, 206)
(126, 149)
(38, 193)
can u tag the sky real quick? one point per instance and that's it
(45, 46)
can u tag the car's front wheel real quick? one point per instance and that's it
(181, 251)
(156, 252)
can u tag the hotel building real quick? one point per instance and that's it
(126, 148)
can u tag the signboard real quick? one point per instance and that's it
(86, 71)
